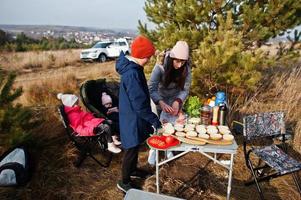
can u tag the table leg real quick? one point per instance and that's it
(230, 177)
(157, 171)
(214, 158)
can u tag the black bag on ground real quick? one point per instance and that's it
(14, 167)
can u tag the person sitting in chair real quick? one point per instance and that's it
(111, 112)
(85, 124)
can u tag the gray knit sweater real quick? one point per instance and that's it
(167, 94)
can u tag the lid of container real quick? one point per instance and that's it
(206, 108)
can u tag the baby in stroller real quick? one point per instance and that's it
(85, 124)
(110, 110)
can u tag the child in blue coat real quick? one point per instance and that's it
(135, 116)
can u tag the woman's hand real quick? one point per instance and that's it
(176, 108)
(165, 107)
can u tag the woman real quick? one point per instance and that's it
(170, 82)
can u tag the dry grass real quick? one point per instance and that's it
(38, 60)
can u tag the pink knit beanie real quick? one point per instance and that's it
(105, 98)
(180, 51)
(67, 99)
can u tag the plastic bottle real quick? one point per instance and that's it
(220, 98)
(215, 115)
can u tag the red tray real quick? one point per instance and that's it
(163, 145)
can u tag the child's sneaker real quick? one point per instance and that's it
(112, 147)
(115, 140)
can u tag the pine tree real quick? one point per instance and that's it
(224, 36)
(16, 122)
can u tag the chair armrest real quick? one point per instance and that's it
(237, 127)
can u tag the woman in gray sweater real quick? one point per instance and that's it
(170, 81)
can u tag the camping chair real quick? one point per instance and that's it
(90, 93)
(86, 144)
(276, 161)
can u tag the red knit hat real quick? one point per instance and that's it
(142, 47)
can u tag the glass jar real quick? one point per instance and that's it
(206, 115)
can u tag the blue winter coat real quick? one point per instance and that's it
(135, 115)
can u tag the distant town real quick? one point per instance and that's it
(81, 35)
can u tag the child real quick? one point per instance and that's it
(136, 117)
(112, 112)
(84, 123)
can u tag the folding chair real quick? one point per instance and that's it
(276, 161)
(87, 144)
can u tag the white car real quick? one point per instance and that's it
(101, 51)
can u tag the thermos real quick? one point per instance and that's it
(222, 114)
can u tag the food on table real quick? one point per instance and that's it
(166, 134)
(212, 131)
(191, 141)
(192, 133)
(179, 128)
(192, 106)
(216, 136)
(179, 125)
(200, 126)
(223, 127)
(204, 136)
(228, 137)
(156, 142)
(169, 139)
(168, 128)
(194, 120)
(190, 125)
(201, 130)
(211, 127)
(224, 131)
(189, 128)
(180, 134)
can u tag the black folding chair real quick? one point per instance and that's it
(276, 160)
(86, 145)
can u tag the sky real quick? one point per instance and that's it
(122, 14)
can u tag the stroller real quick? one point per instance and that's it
(90, 93)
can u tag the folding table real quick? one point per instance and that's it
(205, 150)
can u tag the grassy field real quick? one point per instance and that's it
(55, 177)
